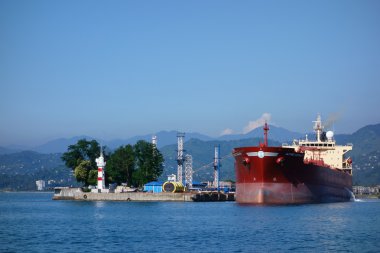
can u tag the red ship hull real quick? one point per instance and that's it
(276, 175)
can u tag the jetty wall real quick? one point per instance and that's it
(66, 193)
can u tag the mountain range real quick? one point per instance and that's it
(19, 170)
(365, 155)
(164, 138)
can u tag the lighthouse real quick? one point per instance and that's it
(101, 165)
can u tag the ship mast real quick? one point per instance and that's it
(318, 127)
(266, 129)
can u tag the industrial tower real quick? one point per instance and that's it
(189, 171)
(217, 166)
(180, 157)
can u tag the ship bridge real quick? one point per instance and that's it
(323, 150)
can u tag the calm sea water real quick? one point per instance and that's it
(32, 222)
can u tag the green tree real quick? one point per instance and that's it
(92, 177)
(83, 150)
(81, 158)
(149, 163)
(121, 165)
(135, 165)
(81, 172)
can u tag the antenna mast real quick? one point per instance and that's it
(266, 129)
(217, 167)
(318, 128)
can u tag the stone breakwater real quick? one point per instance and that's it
(66, 193)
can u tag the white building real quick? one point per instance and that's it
(40, 185)
(50, 182)
(172, 178)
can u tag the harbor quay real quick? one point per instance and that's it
(67, 193)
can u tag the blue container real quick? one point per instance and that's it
(153, 186)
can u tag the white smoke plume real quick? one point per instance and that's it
(227, 131)
(257, 123)
(331, 119)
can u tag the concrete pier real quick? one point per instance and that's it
(66, 193)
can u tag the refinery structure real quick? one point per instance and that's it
(187, 162)
(307, 171)
(178, 187)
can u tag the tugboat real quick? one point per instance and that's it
(308, 171)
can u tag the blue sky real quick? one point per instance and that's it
(115, 69)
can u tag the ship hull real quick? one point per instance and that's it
(276, 175)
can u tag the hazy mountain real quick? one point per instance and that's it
(164, 138)
(20, 171)
(59, 145)
(365, 154)
(6, 150)
(275, 133)
(170, 137)
(365, 140)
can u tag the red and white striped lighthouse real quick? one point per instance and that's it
(101, 164)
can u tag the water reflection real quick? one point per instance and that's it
(170, 227)
(99, 204)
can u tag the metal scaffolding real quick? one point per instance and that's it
(180, 157)
(189, 171)
(216, 166)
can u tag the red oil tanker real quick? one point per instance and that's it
(308, 171)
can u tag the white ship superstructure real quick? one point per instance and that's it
(323, 150)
